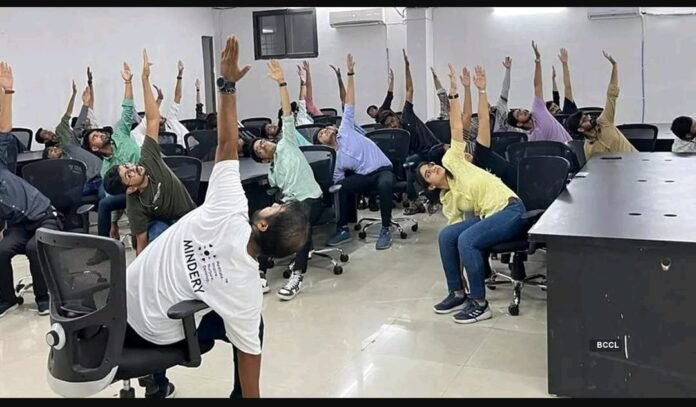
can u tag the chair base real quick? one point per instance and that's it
(23, 286)
(127, 392)
(517, 277)
(325, 253)
(395, 222)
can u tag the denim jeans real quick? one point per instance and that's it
(465, 243)
(92, 187)
(107, 204)
(156, 228)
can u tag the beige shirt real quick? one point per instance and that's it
(608, 139)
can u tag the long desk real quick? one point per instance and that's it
(665, 137)
(250, 171)
(29, 157)
(621, 249)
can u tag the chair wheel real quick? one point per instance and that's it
(543, 288)
(19, 288)
(356, 227)
(491, 287)
(337, 270)
(514, 309)
(344, 258)
(270, 264)
(362, 235)
(127, 394)
(414, 227)
(403, 235)
(406, 204)
(287, 274)
(20, 300)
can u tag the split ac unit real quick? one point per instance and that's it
(352, 18)
(604, 13)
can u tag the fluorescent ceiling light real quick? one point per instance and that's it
(520, 11)
(668, 11)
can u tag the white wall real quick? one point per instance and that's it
(49, 47)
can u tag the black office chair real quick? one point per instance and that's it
(500, 140)
(188, 170)
(394, 143)
(371, 126)
(515, 152)
(591, 108)
(329, 111)
(562, 117)
(194, 124)
(327, 120)
(201, 144)
(491, 118)
(578, 147)
(539, 182)
(141, 114)
(172, 149)
(257, 122)
(88, 319)
(24, 135)
(308, 130)
(642, 136)
(441, 130)
(73, 122)
(167, 137)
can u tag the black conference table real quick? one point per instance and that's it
(621, 245)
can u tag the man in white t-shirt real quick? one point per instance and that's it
(210, 255)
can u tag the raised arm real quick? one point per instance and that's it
(455, 118)
(609, 112)
(160, 96)
(152, 115)
(91, 88)
(127, 105)
(309, 98)
(538, 86)
(568, 89)
(179, 77)
(6, 83)
(390, 88)
(302, 74)
(554, 90)
(71, 102)
(341, 88)
(484, 121)
(467, 112)
(350, 91)
(386, 104)
(227, 130)
(275, 72)
(505, 90)
(409, 80)
(82, 118)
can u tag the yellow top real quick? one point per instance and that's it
(472, 189)
(608, 139)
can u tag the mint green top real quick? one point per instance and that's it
(125, 149)
(290, 171)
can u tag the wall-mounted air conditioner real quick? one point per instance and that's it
(352, 18)
(604, 13)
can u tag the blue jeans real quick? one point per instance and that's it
(92, 187)
(211, 329)
(107, 204)
(465, 243)
(156, 228)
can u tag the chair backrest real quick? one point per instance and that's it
(141, 114)
(73, 122)
(172, 149)
(371, 126)
(441, 130)
(258, 122)
(326, 120)
(194, 124)
(201, 144)
(578, 147)
(188, 170)
(561, 117)
(88, 310)
(308, 130)
(540, 180)
(591, 108)
(394, 143)
(322, 159)
(61, 181)
(516, 152)
(167, 137)
(329, 111)
(500, 140)
(642, 136)
(25, 136)
(491, 118)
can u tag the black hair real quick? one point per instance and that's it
(37, 135)
(47, 146)
(681, 127)
(549, 103)
(370, 107)
(287, 232)
(112, 182)
(315, 137)
(511, 119)
(422, 182)
(573, 122)
(384, 115)
(252, 151)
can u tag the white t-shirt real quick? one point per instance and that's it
(203, 256)
(682, 146)
(172, 125)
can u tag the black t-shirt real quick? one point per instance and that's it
(492, 162)
(569, 107)
(422, 139)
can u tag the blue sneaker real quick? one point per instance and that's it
(450, 304)
(43, 307)
(473, 312)
(384, 240)
(341, 236)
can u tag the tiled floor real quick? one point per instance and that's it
(370, 332)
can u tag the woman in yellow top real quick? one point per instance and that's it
(465, 187)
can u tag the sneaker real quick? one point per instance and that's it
(449, 304)
(264, 285)
(473, 312)
(372, 204)
(43, 307)
(414, 208)
(98, 257)
(384, 240)
(6, 307)
(341, 236)
(161, 394)
(291, 288)
(433, 208)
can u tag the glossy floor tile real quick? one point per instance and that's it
(370, 332)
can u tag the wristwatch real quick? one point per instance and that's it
(226, 86)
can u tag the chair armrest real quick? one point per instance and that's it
(530, 215)
(185, 311)
(272, 191)
(335, 188)
(409, 165)
(83, 209)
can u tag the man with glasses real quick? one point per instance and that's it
(156, 198)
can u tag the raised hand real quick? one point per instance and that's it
(537, 54)
(229, 61)
(86, 96)
(146, 65)
(405, 57)
(507, 62)
(391, 74)
(74, 88)
(6, 78)
(553, 72)
(198, 84)
(89, 74)
(465, 78)
(563, 56)
(480, 77)
(336, 70)
(609, 58)
(350, 64)
(305, 65)
(302, 74)
(160, 95)
(180, 65)
(126, 73)
(453, 79)
(275, 71)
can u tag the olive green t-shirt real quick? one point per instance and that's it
(165, 197)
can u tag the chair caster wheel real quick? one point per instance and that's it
(405, 204)
(287, 274)
(414, 228)
(362, 235)
(20, 300)
(270, 264)
(344, 258)
(491, 287)
(403, 235)
(127, 394)
(337, 270)
(543, 289)
(356, 227)
(514, 309)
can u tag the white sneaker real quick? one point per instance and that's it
(291, 288)
(264, 285)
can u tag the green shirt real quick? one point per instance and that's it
(165, 197)
(290, 170)
(125, 150)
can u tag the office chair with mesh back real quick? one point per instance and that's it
(371, 126)
(394, 143)
(500, 140)
(515, 152)
(167, 137)
(491, 118)
(539, 182)
(308, 130)
(88, 319)
(440, 129)
(578, 147)
(642, 136)
(329, 111)
(561, 118)
(194, 124)
(201, 144)
(257, 122)
(327, 120)
(188, 170)
(25, 136)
